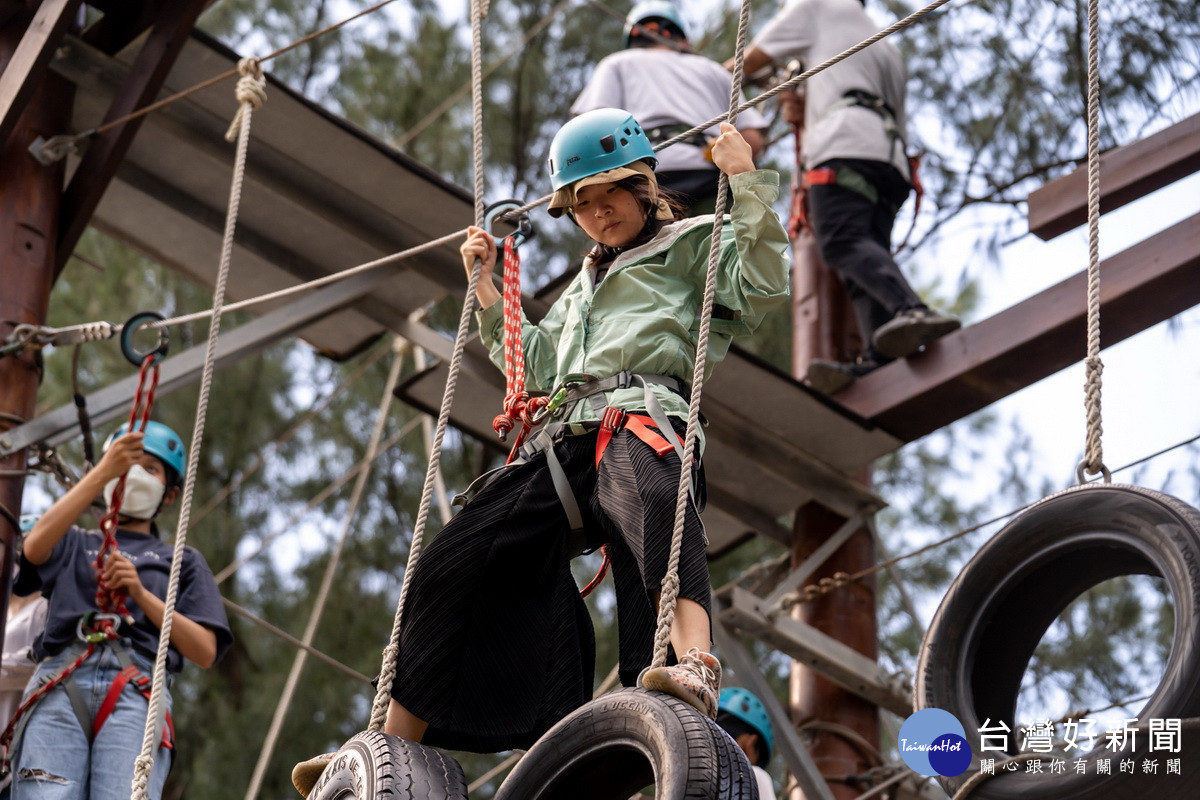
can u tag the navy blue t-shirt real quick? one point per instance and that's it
(68, 581)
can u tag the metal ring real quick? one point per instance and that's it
(524, 226)
(131, 327)
(1081, 476)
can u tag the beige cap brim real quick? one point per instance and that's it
(565, 197)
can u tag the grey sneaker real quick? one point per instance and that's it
(909, 331)
(696, 680)
(830, 377)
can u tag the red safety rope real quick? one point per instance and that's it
(518, 405)
(798, 219)
(112, 601)
(914, 169)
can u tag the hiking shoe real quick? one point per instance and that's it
(830, 377)
(696, 679)
(306, 774)
(910, 330)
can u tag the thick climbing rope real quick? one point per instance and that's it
(250, 95)
(314, 619)
(669, 593)
(1093, 460)
(519, 407)
(391, 652)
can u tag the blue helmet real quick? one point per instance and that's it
(749, 709)
(662, 9)
(161, 442)
(27, 522)
(597, 141)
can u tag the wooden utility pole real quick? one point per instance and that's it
(823, 326)
(30, 200)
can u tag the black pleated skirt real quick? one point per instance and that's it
(496, 645)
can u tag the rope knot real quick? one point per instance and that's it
(251, 93)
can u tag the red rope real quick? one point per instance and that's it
(518, 405)
(798, 219)
(112, 601)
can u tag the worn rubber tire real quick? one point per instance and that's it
(1001, 605)
(377, 766)
(627, 740)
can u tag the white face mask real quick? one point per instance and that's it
(143, 493)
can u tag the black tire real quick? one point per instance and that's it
(375, 766)
(1001, 605)
(628, 740)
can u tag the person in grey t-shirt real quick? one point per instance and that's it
(858, 173)
(670, 89)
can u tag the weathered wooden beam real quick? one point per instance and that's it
(978, 365)
(841, 664)
(104, 154)
(1126, 174)
(26, 68)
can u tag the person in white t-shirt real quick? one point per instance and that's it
(670, 89)
(744, 717)
(858, 174)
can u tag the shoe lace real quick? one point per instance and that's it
(693, 663)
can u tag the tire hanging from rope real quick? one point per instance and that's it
(977, 649)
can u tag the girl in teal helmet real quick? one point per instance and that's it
(496, 644)
(55, 753)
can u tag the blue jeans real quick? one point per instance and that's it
(53, 760)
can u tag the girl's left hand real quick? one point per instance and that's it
(120, 573)
(731, 153)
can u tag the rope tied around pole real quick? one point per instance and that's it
(251, 93)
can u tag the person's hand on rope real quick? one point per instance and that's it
(792, 104)
(480, 245)
(122, 454)
(731, 152)
(119, 573)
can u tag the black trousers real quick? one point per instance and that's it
(496, 645)
(854, 236)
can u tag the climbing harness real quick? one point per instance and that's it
(100, 629)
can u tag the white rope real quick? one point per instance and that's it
(387, 672)
(1093, 461)
(669, 593)
(314, 619)
(144, 765)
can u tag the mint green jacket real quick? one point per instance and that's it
(644, 314)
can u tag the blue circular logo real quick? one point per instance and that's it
(933, 742)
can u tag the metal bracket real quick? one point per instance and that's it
(50, 151)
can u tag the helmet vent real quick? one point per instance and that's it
(608, 144)
(624, 142)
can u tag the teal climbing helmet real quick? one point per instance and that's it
(594, 142)
(742, 704)
(161, 442)
(662, 9)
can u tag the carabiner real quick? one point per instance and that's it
(96, 635)
(131, 327)
(499, 209)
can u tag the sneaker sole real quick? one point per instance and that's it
(908, 339)
(827, 380)
(662, 683)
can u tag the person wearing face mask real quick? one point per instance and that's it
(82, 738)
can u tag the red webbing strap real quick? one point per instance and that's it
(914, 169)
(7, 737)
(112, 601)
(518, 405)
(638, 424)
(141, 684)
